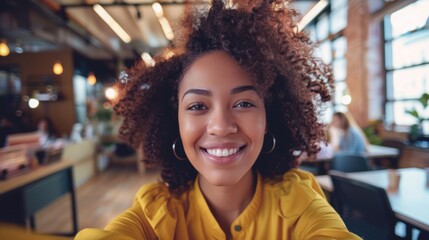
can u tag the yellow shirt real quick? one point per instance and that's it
(293, 207)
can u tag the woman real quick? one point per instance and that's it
(46, 130)
(223, 120)
(345, 136)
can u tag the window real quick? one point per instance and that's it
(326, 31)
(406, 61)
(80, 97)
(10, 90)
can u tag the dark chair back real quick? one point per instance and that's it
(349, 163)
(364, 208)
(423, 235)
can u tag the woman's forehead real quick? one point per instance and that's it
(214, 69)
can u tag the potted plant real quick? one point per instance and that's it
(104, 119)
(416, 130)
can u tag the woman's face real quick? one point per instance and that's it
(221, 118)
(337, 122)
(43, 126)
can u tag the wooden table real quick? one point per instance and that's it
(325, 156)
(22, 196)
(374, 152)
(410, 203)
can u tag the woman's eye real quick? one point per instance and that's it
(197, 107)
(244, 104)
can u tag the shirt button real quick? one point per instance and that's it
(237, 228)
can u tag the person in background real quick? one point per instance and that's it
(46, 130)
(345, 135)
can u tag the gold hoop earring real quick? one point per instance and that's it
(174, 151)
(274, 144)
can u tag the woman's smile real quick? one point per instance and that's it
(223, 153)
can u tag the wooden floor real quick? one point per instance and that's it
(99, 200)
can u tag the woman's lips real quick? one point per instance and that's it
(223, 156)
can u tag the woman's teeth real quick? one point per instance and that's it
(223, 152)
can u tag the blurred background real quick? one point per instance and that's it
(60, 58)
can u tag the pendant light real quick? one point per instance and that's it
(4, 49)
(57, 68)
(91, 79)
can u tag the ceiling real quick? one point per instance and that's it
(35, 25)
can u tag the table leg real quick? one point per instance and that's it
(32, 222)
(73, 203)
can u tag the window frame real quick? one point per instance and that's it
(388, 40)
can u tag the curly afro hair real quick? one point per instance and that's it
(263, 38)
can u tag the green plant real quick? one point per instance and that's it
(416, 129)
(424, 100)
(371, 132)
(103, 115)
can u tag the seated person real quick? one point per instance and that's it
(346, 137)
(222, 119)
(46, 130)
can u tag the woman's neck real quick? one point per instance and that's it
(227, 202)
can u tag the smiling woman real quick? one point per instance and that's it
(222, 120)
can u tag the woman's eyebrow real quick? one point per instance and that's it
(198, 92)
(242, 89)
(208, 93)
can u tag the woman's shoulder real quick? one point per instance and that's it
(155, 199)
(294, 192)
(296, 178)
(301, 203)
(153, 191)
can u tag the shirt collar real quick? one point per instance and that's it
(244, 219)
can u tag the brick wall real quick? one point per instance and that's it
(356, 34)
(365, 61)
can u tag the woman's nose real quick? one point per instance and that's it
(221, 123)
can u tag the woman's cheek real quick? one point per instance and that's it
(190, 131)
(254, 124)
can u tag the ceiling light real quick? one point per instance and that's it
(111, 93)
(112, 23)
(165, 25)
(166, 28)
(4, 49)
(33, 103)
(346, 99)
(314, 11)
(19, 50)
(147, 59)
(91, 79)
(157, 8)
(57, 68)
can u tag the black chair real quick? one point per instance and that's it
(423, 236)
(394, 143)
(364, 208)
(349, 163)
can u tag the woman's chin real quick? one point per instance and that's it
(222, 178)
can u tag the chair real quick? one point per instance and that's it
(423, 236)
(394, 143)
(364, 208)
(349, 163)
